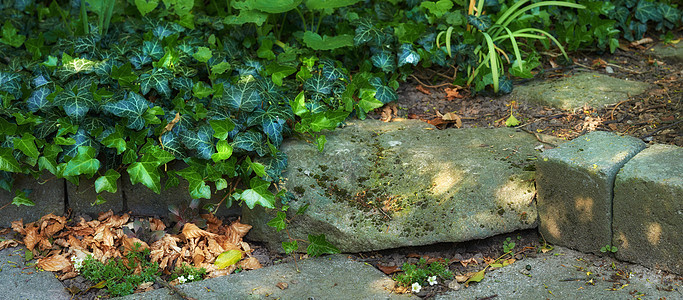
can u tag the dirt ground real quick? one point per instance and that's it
(655, 116)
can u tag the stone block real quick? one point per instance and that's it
(141, 200)
(648, 209)
(82, 197)
(47, 192)
(575, 182)
(385, 185)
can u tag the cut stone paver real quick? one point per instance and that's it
(594, 89)
(329, 277)
(648, 209)
(21, 281)
(670, 53)
(46, 192)
(82, 196)
(387, 185)
(575, 184)
(567, 274)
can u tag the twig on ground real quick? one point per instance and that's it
(434, 86)
(536, 135)
(174, 289)
(661, 128)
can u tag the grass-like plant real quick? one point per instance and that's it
(488, 36)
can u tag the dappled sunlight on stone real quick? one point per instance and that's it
(584, 208)
(552, 228)
(446, 179)
(654, 233)
(623, 240)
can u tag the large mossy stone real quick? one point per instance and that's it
(594, 89)
(385, 185)
(672, 53)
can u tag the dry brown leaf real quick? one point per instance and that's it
(54, 263)
(8, 243)
(466, 262)
(598, 62)
(452, 94)
(239, 228)
(129, 244)
(104, 236)
(156, 224)
(553, 64)
(389, 269)
(454, 118)
(461, 278)
(250, 263)
(642, 41)
(116, 221)
(18, 226)
(170, 125)
(191, 231)
(51, 224)
(32, 237)
(423, 90)
(68, 275)
(104, 215)
(282, 285)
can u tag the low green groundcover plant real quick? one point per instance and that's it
(421, 274)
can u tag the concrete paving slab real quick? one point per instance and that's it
(648, 209)
(329, 277)
(594, 89)
(672, 53)
(21, 281)
(575, 182)
(568, 274)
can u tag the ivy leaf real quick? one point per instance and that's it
(123, 74)
(146, 173)
(480, 22)
(157, 79)
(406, 55)
(223, 151)
(83, 163)
(366, 32)
(107, 182)
(319, 84)
(201, 141)
(21, 199)
(439, 8)
(7, 161)
(275, 165)
(279, 222)
(11, 83)
(249, 141)
(320, 246)
(258, 194)
(203, 54)
(384, 93)
(367, 100)
(222, 128)
(202, 90)
(197, 185)
(76, 99)
(26, 144)
(10, 36)
(646, 11)
(384, 61)
(241, 97)
(669, 13)
(139, 60)
(329, 4)
(272, 121)
(153, 49)
(317, 42)
(171, 143)
(38, 99)
(146, 6)
(290, 247)
(132, 107)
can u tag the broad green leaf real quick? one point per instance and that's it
(477, 277)
(302, 210)
(250, 141)
(320, 246)
(153, 49)
(265, 51)
(146, 173)
(272, 6)
(197, 185)
(123, 74)
(76, 99)
(258, 194)
(242, 97)
(299, 104)
(646, 11)
(222, 128)
(258, 168)
(290, 247)
(223, 151)
(27, 145)
(368, 101)
(107, 182)
(203, 54)
(511, 121)
(279, 72)
(201, 90)
(146, 6)
(317, 42)
(228, 258)
(10, 36)
(366, 32)
(438, 8)
(480, 22)
(246, 16)
(220, 68)
(406, 55)
(99, 200)
(8, 162)
(157, 78)
(321, 140)
(201, 141)
(221, 184)
(329, 4)
(384, 60)
(132, 107)
(21, 199)
(83, 163)
(279, 222)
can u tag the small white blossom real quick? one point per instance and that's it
(190, 277)
(416, 287)
(78, 263)
(432, 280)
(182, 279)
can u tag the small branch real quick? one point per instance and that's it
(174, 289)
(661, 128)
(434, 86)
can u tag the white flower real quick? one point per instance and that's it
(182, 279)
(78, 263)
(190, 277)
(432, 280)
(416, 287)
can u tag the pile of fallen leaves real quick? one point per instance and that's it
(57, 244)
